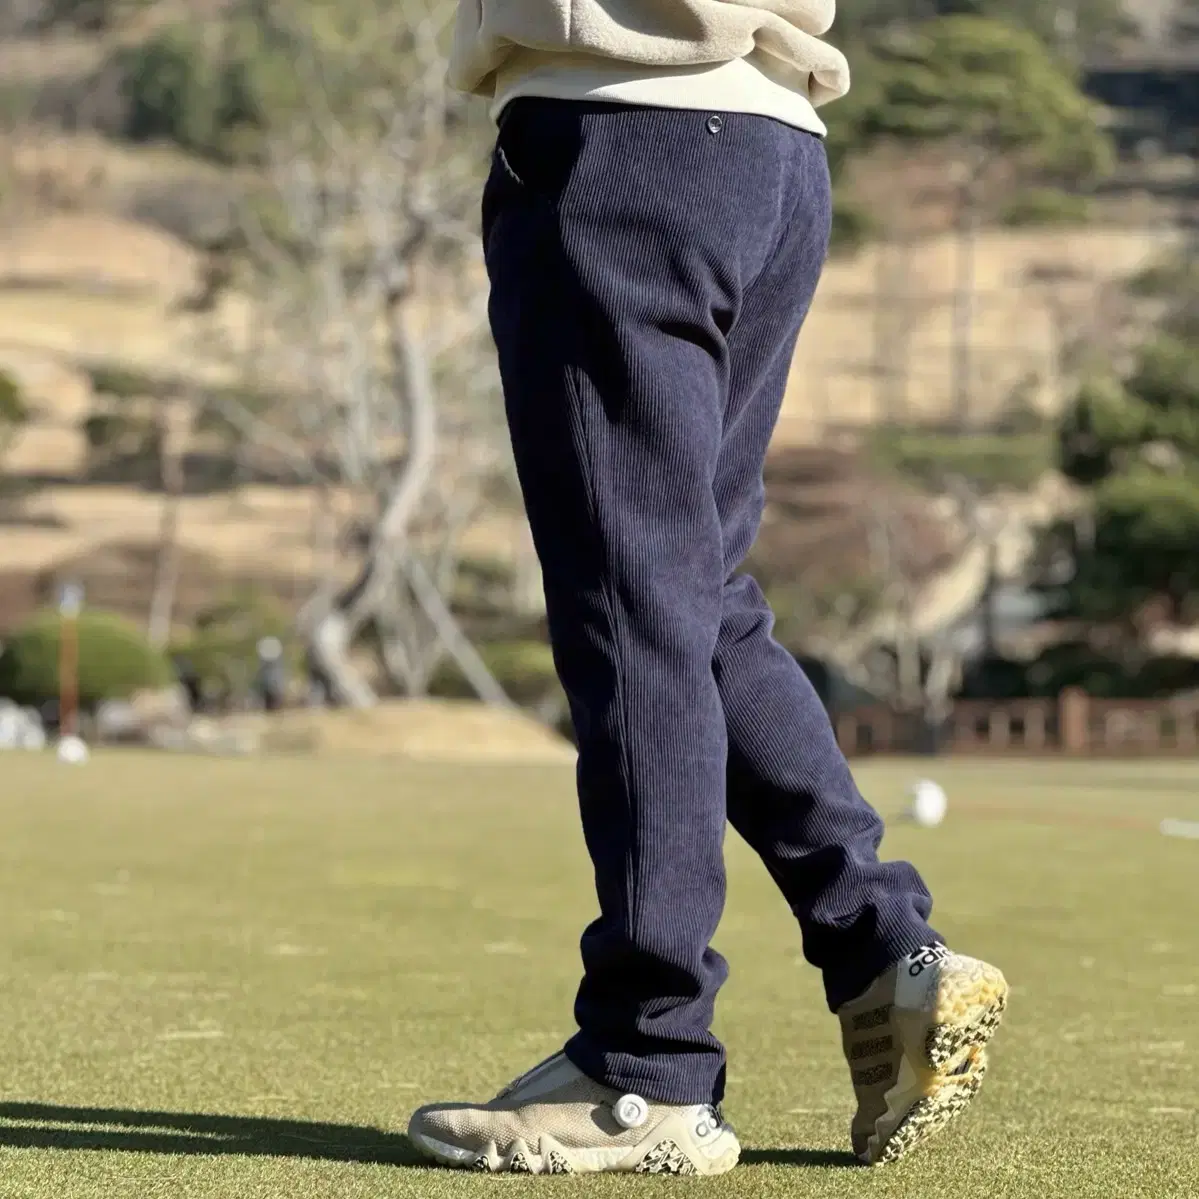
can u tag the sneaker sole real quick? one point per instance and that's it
(944, 1070)
(658, 1154)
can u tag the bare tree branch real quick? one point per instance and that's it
(368, 293)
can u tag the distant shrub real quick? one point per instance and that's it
(1040, 206)
(14, 412)
(115, 660)
(171, 88)
(121, 431)
(1021, 415)
(183, 87)
(852, 227)
(525, 669)
(122, 445)
(125, 383)
(14, 415)
(992, 461)
(111, 432)
(222, 647)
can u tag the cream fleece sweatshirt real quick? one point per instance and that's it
(753, 56)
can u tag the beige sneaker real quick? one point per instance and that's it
(556, 1120)
(915, 1042)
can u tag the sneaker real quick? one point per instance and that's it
(915, 1042)
(556, 1120)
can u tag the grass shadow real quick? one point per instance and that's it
(807, 1159)
(49, 1126)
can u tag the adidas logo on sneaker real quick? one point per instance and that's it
(920, 961)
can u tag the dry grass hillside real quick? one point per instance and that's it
(88, 275)
(835, 380)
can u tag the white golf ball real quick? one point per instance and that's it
(1181, 828)
(72, 751)
(929, 803)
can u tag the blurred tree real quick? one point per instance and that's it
(990, 92)
(1081, 25)
(1004, 109)
(115, 660)
(14, 412)
(1133, 445)
(361, 254)
(1076, 27)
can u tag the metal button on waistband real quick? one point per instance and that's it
(715, 123)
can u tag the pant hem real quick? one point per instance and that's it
(844, 986)
(661, 1078)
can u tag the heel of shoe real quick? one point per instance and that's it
(969, 1002)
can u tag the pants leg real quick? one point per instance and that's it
(790, 793)
(620, 243)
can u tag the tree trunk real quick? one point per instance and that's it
(387, 559)
(893, 320)
(909, 685)
(338, 621)
(963, 310)
(329, 644)
(456, 642)
(174, 421)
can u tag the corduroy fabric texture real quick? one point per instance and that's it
(650, 270)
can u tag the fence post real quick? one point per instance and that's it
(999, 728)
(847, 735)
(1034, 727)
(1184, 728)
(1074, 720)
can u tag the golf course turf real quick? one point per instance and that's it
(237, 978)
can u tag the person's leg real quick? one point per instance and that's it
(621, 243)
(792, 797)
(790, 791)
(915, 1018)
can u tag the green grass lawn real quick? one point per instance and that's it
(238, 978)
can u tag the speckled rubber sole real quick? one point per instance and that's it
(948, 1097)
(945, 1068)
(522, 1160)
(655, 1156)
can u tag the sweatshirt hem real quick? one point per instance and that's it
(741, 86)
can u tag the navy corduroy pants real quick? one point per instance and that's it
(650, 270)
